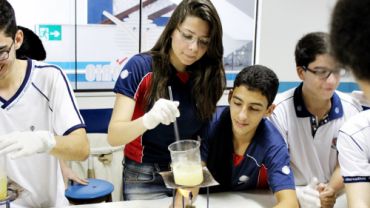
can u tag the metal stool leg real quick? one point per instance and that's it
(183, 202)
(207, 197)
(173, 198)
(109, 198)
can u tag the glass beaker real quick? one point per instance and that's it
(3, 179)
(186, 164)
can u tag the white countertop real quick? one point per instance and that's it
(255, 199)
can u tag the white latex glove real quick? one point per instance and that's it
(20, 144)
(163, 111)
(309, 196)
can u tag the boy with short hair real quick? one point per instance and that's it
(243, 150)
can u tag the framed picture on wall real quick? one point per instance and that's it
(92, 40)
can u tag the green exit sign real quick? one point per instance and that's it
(50, 32)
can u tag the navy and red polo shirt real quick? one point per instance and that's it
(152, 146)
(266, 161)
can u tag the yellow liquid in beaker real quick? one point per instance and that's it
(188, 173)
(3, 187)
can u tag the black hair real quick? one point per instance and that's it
(309, 46)
(8, 24)
(31, 47)
(350, 36)
(259, 78)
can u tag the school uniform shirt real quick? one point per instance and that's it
(134, 82)
(44, 101)
(354, 148)
(265, 162)
(311, 143)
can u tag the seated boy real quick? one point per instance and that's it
(243, 150)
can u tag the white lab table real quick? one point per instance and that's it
(254, 199)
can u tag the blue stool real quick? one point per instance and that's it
(96, 191)
(97, 121)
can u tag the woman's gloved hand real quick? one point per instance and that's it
(163, 111)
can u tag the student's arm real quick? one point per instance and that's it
(354, 163)
(328, 191)
(286, 199)
(69, 174)
(74, 146)
(336, 180)
(358, 194)
(121, 129)
(280, 175)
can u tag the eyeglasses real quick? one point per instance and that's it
(5, 54)
(324, 73)
(189, 38)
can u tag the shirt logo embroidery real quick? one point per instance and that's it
(124, 74)
(243, 179)
(285, 170)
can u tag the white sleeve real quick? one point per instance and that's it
(66, 116)
(353, 157)
(278, 118)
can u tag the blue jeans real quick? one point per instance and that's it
(142, 181)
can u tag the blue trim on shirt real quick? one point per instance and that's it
(2, 100)
(66, 85)
(352, 135)
(336, 110)
(37, 89)
(23, 85)
(356, 179)
(78, 126)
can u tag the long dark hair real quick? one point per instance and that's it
(208, 73)
(221, 149)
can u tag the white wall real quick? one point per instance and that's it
(28, 12)
(281, 24)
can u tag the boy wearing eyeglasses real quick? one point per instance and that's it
(309, 118)
(39, 121)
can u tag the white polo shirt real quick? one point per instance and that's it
(44, 101)
(354, 148)
(312, 144)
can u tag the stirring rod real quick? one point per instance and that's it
(177, 135)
